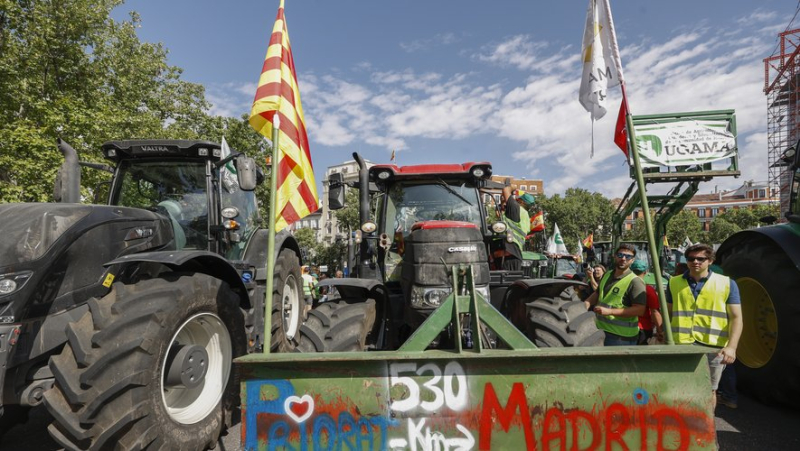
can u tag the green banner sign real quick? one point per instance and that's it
(685, 139)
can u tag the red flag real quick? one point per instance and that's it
(621, 132)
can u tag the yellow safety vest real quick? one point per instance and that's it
(520, 230)
(308, 283)
(705, 319)
(624, 327)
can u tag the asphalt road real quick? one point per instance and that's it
(751, 426)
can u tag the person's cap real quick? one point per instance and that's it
(639, 266)
(528, 199)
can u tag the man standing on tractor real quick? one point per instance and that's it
(515, 211)
(620, 299)
(705, 310)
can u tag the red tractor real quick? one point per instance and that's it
(427, 220)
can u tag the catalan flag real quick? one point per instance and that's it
(278, 93)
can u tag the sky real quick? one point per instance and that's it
(451, 81)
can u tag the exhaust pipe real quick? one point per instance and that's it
(68, 180)
(364, 270)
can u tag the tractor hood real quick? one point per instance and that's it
(28, 231)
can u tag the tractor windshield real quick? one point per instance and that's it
(409, 203)
(176, 188)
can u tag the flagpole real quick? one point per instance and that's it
(648, 223)
(273, 188)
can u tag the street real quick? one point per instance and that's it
(751, 426)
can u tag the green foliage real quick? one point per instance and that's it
(637, 233)
(307, 239)
(682, 225)
(348, 216)
(331, 255)
(577, 214)
(68, 70)
(720, 229)
(746, 218)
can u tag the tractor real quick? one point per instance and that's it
(428, 220)
(124, 318)
(427, 347)
(765, 262)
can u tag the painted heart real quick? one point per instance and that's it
(299, 408)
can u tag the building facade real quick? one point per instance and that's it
(709, 206)
(329, 228)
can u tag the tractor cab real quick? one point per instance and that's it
(192, 183)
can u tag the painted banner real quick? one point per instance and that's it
(684, 142)
(568, 398)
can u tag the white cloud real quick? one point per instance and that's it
(534, 108)
(438, 40)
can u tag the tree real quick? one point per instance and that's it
(577, 214)
(720, 229)
(747, 218)
(307, 239)
(68, 70)
(682, 225)
(332, 255)
(349, 217)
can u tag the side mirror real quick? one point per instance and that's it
(335, 191)
(246, 173)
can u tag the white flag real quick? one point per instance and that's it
(228, 172)
(686, 243)
(556, 243)
(602, 67)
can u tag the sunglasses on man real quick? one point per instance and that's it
(696, 259)
(625, 256)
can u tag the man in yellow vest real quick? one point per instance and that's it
(308, 289)
(619, 300)
(705, 310)
(515, 212)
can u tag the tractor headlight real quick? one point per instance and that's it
(499, 227)
(510, 237)
(368, 227)
(230, 212)
(12, 282)
(428, 298)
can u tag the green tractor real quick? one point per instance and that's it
(125, 318)
(765, 262)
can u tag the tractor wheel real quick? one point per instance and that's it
(769, 283)
(287, 302)
(337, 327)
(149, 366)
(562, 322)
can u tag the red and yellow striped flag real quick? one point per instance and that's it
(278, 92)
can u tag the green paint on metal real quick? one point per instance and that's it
(479, 312)
(568, 398)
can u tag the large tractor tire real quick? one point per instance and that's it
(768, 357)
(554, 322)
(287, 302)
(337, 327)
(149, 366)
